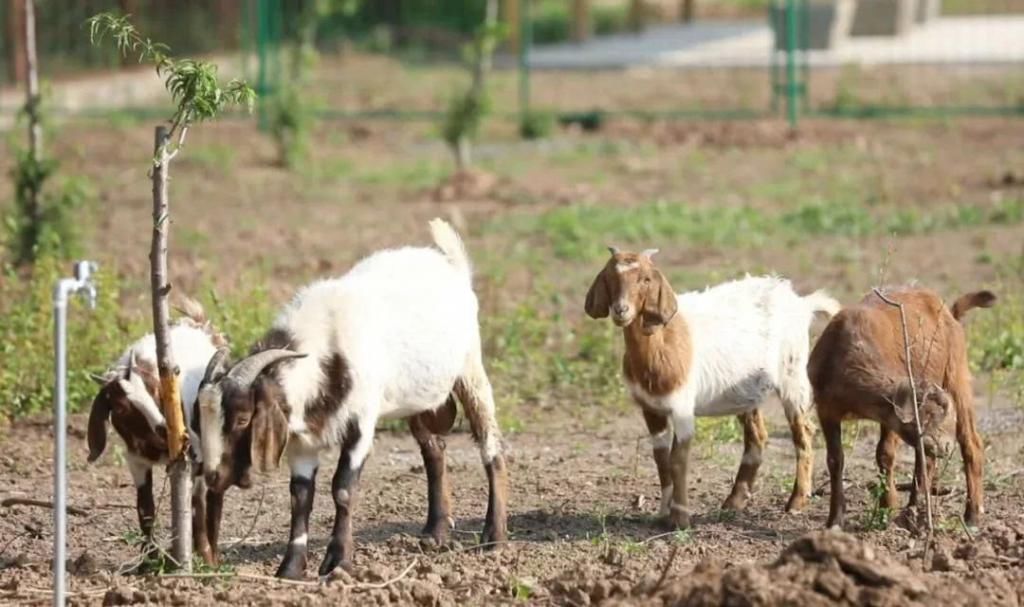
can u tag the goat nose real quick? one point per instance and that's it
(620, 309)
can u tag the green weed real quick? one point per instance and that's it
(996, 342)
(726, 429)
(878, 516)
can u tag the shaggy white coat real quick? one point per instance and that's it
(749, 339)
(405, 321)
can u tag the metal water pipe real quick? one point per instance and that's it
(65, 287)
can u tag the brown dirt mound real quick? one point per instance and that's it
(821, 568)
(470, 184)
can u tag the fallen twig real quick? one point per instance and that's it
(668, 565)
(659, 536)
(241, 576)
(303, 583)
(21, 501)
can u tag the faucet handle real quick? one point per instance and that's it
(84, 271)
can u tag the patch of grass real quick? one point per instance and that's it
(717, 430)
(214, 157)
(577, 232)
(26, 337)
(416, 175)
(996, 342)
(534, 355)
(95, 338)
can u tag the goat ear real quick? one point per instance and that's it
(597, 297)
(98, 417)
(269, 431)
(661, 304)
(903, 403)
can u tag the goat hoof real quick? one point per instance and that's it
(438, 530)
(333, 559)
(796, 503)
(493, 537)
(291, 570)
(736, 501)
(678, 518)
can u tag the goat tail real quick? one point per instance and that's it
(191, 309)
(969, 301)
(820, 301)
(448, 240)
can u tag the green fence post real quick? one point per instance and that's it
(792, 86)
(262, 27)
(525, 41)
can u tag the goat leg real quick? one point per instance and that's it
(344, 488)
(302, 488)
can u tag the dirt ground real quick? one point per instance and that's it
(584, 489)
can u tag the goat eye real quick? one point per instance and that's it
(241, 421)
(647, 279)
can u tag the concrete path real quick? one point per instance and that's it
(947, 40)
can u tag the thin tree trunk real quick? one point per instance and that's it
(35, 127)
(636, 15)
(463, 154)
(170, 397)
(510, 15)
(580, 20)
(686, 11)
(484, 60)
(16, 31)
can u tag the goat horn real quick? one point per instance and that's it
(649, 253)
(131, 364)
(99, 379)
(247, 369)
(216, 364)
(613, 250)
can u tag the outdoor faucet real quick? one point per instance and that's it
(82, 282)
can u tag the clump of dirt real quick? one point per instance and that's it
(820, 568)
(467, 184)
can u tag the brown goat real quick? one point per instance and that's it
(858, 371)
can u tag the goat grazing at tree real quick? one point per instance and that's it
(858, 370)
(129, 398)
(393, 338)
(721, 351)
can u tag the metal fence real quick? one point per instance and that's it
(733, 59)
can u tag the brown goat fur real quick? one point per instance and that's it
(858, 371)
(656, 360)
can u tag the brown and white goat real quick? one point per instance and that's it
(129, 399)
(858, 371)
(722, 351)
(393, 338)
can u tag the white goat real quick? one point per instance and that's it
(721, 351)
(392, 338)
(128, 398)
